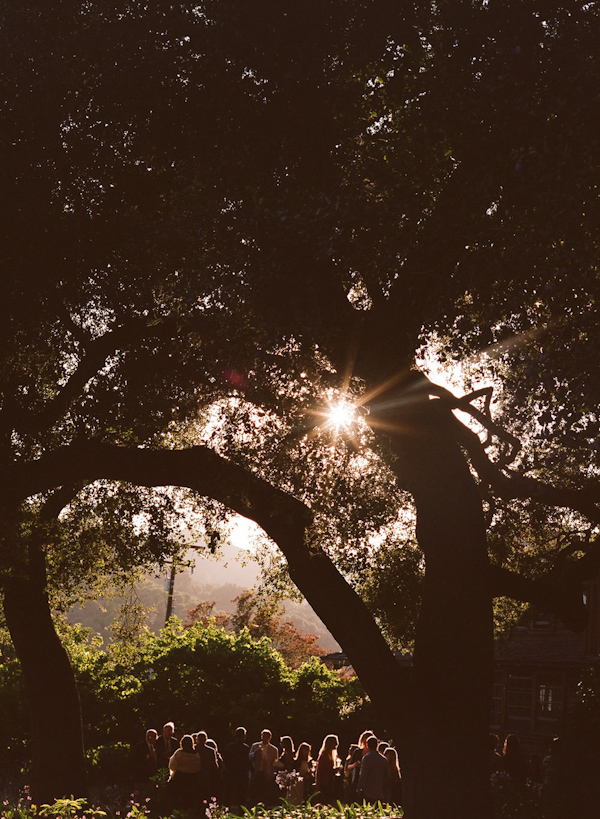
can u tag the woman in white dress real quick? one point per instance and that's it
(304, 766)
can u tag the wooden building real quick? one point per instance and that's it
(537, 673)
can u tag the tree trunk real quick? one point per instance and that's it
(447, 771)
(58, 759)
(353, 626)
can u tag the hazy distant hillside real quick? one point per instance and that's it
(231, 565)
(220, 579)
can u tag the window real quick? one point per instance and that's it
(542, 622)
(550, 694)
(519, 702)
(497, 700)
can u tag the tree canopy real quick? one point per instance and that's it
(282, 203)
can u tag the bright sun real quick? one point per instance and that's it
(341, 414)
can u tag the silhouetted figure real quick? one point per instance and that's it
(515, 761)
(327, 766)
(144, 757)
(351, 770)
(216, 785)
(286, 757)
(373, 780)
(353, 766)
(183, 787)
(304, 765)
(393, 793)
(284, 765)
(166, 745)
(263, 757)
(496, 761)
(236, 768)
(210, 769)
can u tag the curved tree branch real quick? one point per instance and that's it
(509, 485)
(284, 518)
(552, 594)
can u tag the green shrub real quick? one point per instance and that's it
(110, 762)
(201, 677)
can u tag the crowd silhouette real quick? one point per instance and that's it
(244, 775)
(197, 774)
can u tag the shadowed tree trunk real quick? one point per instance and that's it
(58, 760)
(448, 771)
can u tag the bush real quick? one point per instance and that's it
(110, 762)
(201, 677)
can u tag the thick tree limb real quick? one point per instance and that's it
(551, 593)
(57, 501)
(284, 518)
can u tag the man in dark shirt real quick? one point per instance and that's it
(145, 762)
(374, 777)
(166, 745)
(210, 769)
(236, 768)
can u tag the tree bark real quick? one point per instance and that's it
(449, 771)
(58, 759)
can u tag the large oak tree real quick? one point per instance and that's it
(272, 200)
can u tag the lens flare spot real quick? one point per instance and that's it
(341, 415)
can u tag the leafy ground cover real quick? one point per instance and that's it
(139, 808)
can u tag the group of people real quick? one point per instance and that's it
(246, 775)
(514, 771)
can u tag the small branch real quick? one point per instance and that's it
(509, 485)
(94, 356)
(483, 417)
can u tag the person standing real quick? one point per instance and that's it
(166, 745)
(394, 794)
(183, 787)
(144, 756)
(210, 768)
(286, 758)
(263, 757)
(304, 765)
(236, 768)
(515, 761)
(374, 777)
(217, 781)
(327, 766)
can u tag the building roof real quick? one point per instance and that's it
(555, 645)
(339, 658)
